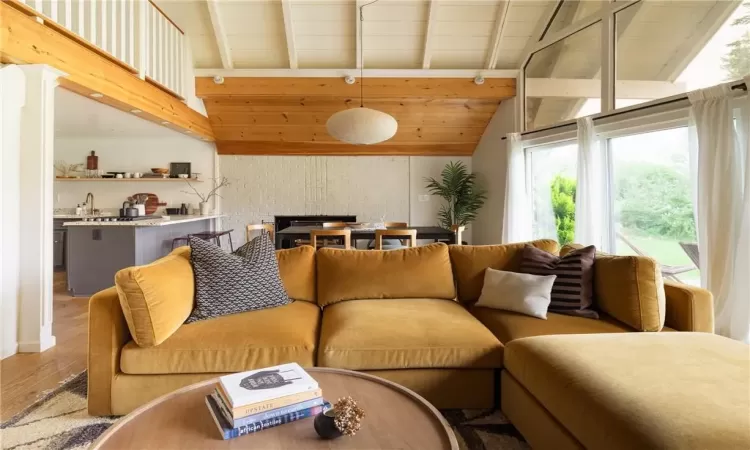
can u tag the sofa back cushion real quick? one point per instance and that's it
(470, 261)
(297, 269)
(419, 272)
(628, 288)
(157, 298)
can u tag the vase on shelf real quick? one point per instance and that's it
(205, 210)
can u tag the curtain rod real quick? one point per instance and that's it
(737, 87)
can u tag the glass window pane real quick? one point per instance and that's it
(653, 211)
(563, 80)
(553, 184)
(666, 48)
(570, 12)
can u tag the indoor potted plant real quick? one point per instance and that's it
(464, 197)
(218, 184)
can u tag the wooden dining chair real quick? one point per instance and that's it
(259, 227)
(390, 244)
(411, 240)
(458, 230)
(344, 235)
(335, 224)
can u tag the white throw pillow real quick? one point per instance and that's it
(519, 292)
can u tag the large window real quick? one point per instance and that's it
(552, 177)
(651, 200)
(668, 48)
(562, 80)
(597, 56)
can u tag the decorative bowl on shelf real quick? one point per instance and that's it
(160, 171)
(183, 175)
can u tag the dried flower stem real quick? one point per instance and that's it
(212, 193)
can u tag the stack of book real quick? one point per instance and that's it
(248, 402)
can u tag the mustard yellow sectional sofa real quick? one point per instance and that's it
(404, 315)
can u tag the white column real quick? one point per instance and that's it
(37, 178)
(12, 98)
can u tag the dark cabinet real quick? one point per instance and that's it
(59, 249)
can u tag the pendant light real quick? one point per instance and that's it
(361, 126)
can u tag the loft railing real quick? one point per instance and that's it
(134, 33)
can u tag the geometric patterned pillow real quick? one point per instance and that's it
(573, 289)
(227, 283)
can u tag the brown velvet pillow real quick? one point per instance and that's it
(572, 292)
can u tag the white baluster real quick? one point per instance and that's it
(105, 26)
(172, 54)
(131, 34)
(53, 10)
(114, 36)
(81, 18)
(68, 14)
(162, 42)
(124, 31)
(180, 63)
(144, 37)
(92, 24)
(39, 5)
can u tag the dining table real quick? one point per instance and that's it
(291, 234)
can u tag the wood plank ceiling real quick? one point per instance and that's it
(436, 116)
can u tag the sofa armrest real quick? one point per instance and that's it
(108, 334)
(688, 308)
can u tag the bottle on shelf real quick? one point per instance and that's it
(79, 210)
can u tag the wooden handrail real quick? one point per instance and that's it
(161, 11)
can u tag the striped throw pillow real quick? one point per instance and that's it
(573, 290)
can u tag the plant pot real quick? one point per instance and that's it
(325, 425)
(205, 210)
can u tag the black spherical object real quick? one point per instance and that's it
(325, 425)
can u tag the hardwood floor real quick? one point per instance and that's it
(25, 376)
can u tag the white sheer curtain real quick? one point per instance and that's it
(721, 199)
(590, 207)
(517, 212)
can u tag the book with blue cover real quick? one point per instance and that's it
(228, 432)
(272, 414)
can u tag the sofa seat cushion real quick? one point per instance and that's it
(507, 325)
(376, 334)
(232, 343)
(640, 390)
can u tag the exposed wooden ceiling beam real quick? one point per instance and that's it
(369, 73)
(23, 40)
(497, 34)
(493, 88)
(219, 34)
(286, 11)
(431, 26)
(328, 148)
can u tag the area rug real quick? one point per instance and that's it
(59, 421)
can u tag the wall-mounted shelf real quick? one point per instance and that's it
(158, 180)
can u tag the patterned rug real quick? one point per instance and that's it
(59, 421)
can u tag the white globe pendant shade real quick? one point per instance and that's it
(362, 126)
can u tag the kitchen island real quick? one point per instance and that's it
(96, 250)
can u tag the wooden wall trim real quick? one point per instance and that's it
(340, 149)
(25, 41)
(435, 88)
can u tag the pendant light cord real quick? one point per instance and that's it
(362, 53)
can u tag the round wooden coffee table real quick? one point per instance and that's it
(396, 417)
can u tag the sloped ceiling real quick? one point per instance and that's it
(288, 115)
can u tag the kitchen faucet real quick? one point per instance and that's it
(91, 207)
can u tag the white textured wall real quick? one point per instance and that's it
(12, 94)
(370, 187)
(490, 164)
